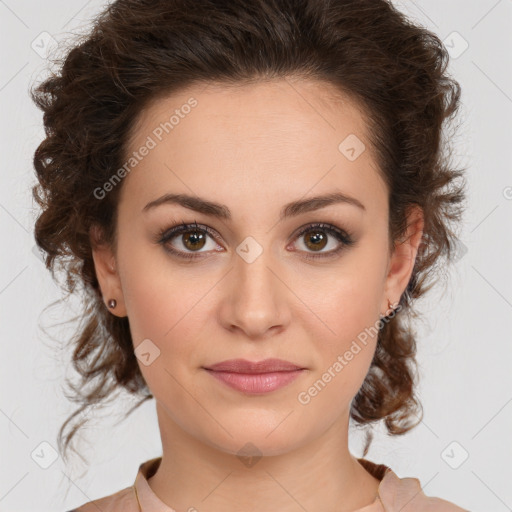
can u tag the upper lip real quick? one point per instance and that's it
(244, 366)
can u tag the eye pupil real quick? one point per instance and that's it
(316, 237)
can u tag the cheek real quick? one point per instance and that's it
(345, 356)
(346, 307)
(151, 290)
(169, 319)
(347, 299)
(166, 310)
(164, 324)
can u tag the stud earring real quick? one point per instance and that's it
(112, 303)
(390, 306)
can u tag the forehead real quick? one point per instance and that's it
(286, 135)
(251, 110)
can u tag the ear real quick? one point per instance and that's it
(403, 258)
(106, 272)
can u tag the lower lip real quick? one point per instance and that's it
(258, 382)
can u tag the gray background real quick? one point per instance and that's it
(465, 347)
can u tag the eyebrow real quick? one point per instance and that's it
(222, 211)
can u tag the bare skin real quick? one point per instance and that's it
(254, 149)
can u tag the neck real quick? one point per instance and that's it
(319, 474)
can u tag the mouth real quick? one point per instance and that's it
(255, 377)
(256, 367)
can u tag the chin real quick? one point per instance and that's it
(258, 439)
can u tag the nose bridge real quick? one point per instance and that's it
(252, 268)
(257, 294)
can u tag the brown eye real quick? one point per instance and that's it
(193, 240)
(315, 240)
(316, 237)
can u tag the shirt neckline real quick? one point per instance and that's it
(150, 502)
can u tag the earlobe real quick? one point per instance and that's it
(404, 255)
(106, 273)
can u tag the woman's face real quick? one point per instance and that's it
(253, 288)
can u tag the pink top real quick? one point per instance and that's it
(394, 494)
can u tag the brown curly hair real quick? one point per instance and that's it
(140, 50)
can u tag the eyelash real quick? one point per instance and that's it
(167, 234)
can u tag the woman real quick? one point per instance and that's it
(252, 195)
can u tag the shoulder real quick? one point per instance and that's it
(121, 501)
(124, 500)
(406, 495)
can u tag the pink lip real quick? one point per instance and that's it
(256, 382)
(255, 377)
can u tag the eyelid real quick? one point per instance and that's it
(320, 225)
(168, 233)
(344, 237)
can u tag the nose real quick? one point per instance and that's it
(256, 298)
